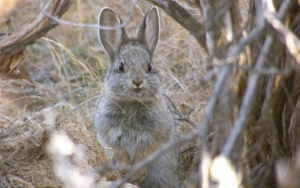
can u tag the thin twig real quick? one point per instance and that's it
(210, 28)
(104, 169)
(188, 120)
(222, 9)
(240, 46)
(255, 148)
(151, 158)
(264, 71)
(211, 104)
(95, 26)
(285, 35)
(181, 116)
(248, 101)
(75, 108)
(208, 113)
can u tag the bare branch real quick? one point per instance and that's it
(211, 104)
(249, 97)
(104, 169)
(151, 158)
(208, 16)
(257, 31)
(223, 9)
(265, 71)
(12, 48)
(290, 40)
(184, 18)
(267, 105)
(208, 113)
(228, 26)
(248, 101)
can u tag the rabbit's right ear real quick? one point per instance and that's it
(110, 39)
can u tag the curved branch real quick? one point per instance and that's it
(13, 47)
(184, 18)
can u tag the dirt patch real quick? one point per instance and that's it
(25, 160)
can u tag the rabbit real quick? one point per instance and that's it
(133, 118)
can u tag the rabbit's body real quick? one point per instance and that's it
(134, 130)
(132, 117)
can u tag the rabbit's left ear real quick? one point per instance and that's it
(148, 30)
(111, 39)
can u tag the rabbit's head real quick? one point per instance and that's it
(131, 74)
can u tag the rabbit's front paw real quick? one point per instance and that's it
(139, 177)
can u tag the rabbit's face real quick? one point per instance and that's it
(133, 76)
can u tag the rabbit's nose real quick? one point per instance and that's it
(137, 82)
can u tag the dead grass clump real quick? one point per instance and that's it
(23, 158)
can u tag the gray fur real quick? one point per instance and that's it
(132, 117)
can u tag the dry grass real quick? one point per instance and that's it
(68, 64)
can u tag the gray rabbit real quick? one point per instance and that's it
(133, 118)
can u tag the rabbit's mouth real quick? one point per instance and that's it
(138, 92)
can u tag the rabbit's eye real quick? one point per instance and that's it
(121, 67)
(149, 67)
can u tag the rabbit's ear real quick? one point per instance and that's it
(110, 39)
(148, 30)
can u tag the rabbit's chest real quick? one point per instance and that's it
(133, 119)
(135, 128)
(133, 125)
(132, 136)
